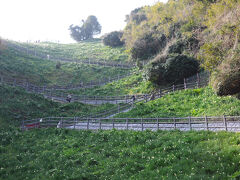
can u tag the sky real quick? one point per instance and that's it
(49, 20)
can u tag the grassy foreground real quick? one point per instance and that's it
(192, 102)
(69, 154)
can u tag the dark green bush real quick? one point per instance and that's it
(147, 46)
(113, 39)
(171, 69)
(179, 67)
(154, 72)
(226, 79)
(177, 47)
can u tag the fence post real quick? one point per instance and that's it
(74, 123)
(157, 123)
(23, 125)
(190, 125)
(127, 123)
(87, 123)
(100, 124)
(142, 123)
(225, 122)
(160, 93)
(113, 123)
(206, 121)
(175, 126)
(61, 122)
(173, 88)
(185, 85)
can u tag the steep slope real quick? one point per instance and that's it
(44, 72)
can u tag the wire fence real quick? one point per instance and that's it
(220, 123)
(52, 57)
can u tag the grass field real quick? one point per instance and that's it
(192, 102)
(42, 71)
(134, 84)
(91, 49)
(70, 154)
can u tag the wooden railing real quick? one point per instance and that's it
(223, 123)
(61, 96)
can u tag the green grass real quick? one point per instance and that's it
(44, 72)
(93, 49)
(70, 154)
(17, 105)
(134, 84)
(192, 102)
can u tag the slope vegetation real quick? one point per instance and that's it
(44, 72)
(196, 102)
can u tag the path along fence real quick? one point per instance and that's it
(103, 120)
(61, 96)
(35, 53)
(223, 123)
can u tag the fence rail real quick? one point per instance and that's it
(56, 58)
(61, 96)
(223, 123)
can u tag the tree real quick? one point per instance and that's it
(113, 39)
(87, 30)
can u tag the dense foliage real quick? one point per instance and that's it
(171, 69)
(87, 30)
(69, 154)
(113, 39)
(208, 30)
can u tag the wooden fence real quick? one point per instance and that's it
(35, 53)
(61, 96)
(223, 123)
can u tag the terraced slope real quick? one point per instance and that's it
(16, 104)
(92, 49)
(44, 72)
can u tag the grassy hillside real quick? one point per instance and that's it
(69, 154)
(17, 105)
(92, 49)
(196, 102)
(42, 71)
(134, 84)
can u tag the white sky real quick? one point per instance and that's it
(49, 19)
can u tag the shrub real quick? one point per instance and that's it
(171, 69)
(179, 67)
(226, 79)
(147, 46)
(113, 39)
(58, 65)
(154, 72)
(177, 47)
